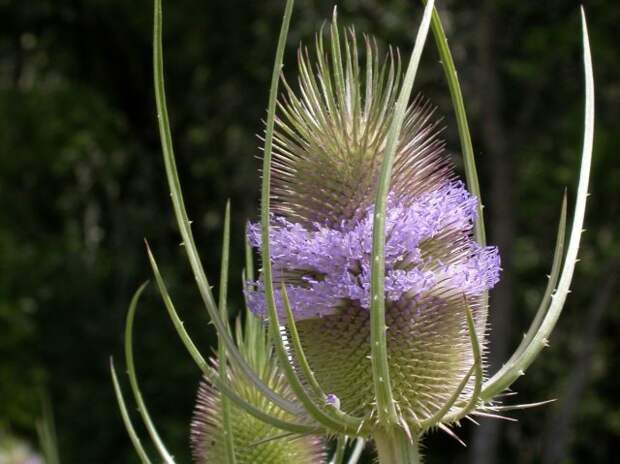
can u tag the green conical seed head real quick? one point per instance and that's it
(254, 441)
(208, 439)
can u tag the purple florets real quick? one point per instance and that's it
(324, 268)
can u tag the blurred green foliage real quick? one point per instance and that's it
(82, 183)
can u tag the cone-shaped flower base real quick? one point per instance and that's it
(429, 355)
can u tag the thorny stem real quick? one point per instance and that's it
(395, 447)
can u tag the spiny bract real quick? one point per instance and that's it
(329, 144)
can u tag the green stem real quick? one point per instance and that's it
(395, 447)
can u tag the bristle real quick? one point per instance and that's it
(329, 139)
(205, 420)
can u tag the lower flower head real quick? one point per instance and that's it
(253, 441)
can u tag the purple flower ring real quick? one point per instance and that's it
(324, 268)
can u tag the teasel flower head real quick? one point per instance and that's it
(372, 284)
(329, 144)
(253, 441)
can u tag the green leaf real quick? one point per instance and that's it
(222, 363)
(477, 354)
(184, 224)
(543, 308)
(469, 161)
(336, 422)
(211, 374)
(515, 368)
(131, 431)
(133, 379)
(471, 174)
(341, 447)
(46, 430)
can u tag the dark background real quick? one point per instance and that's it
(82, 183)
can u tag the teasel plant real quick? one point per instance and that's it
(367, 320)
